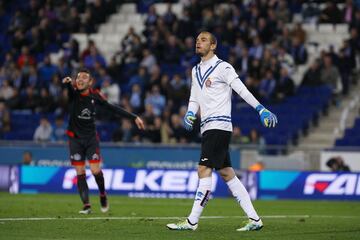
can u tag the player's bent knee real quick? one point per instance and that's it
(95, 169)
(227, 173)
(204, 171)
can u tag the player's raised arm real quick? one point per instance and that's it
(120, 111)
(68, 81)
(267, 118)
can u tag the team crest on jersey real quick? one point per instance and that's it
(208, 82)
(76, 157)
(95, 156)
(85, 114)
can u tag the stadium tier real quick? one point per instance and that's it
(139, 48)
(351, 136)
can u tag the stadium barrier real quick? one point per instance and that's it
(308, 185)
(133, 182)
(167, 183)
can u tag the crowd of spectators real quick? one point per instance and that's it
(151, 75)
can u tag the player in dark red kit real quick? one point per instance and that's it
(83, 139)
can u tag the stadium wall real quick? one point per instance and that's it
(151, 157)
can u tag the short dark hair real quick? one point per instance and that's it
(85, 70)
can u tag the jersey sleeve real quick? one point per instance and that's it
(102, 101)
(229, 74)
(193, 105)
(71, 90)
(232, 78)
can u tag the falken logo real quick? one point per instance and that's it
(85, 114)
(332, 184)
(141, 180)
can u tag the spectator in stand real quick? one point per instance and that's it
(88, 23)
(27, 158)
(149, 114)
(156, 100)
(312, 76)
(6, 91)
(237, 137)
(59, 130)
(257, 140)
(152, 17)
(285, 38)
(285, 86)
(344, 66)
(5, 119)
(111, 91)
(330, 75)
(46, 71)
(337, 164)
(19, 41)
(73, 23)
(298, 51)
(141, 78)
(46, 102)
(136, 98)
(244, 63)
(153, 132)
(267, 86)
(44, 131)
(124, 133)
(169, 16)
(86, 52)
(282, 11)
(349, 11)
(286, 60)
(330, 14)
(257, 49)
(299, 33)
(30, 99)
(25, 58)
(154, 78)
(188, 58)
(178, 91)
(311, 13)
(148, 61)
(172, 54)
(355, 23)
(94, 57)
(55, 88)
(178, 131)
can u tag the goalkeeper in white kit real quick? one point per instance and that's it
(212, 83)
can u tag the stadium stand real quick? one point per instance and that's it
(134, 47)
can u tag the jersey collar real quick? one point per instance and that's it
(209, 62)
(212, 63)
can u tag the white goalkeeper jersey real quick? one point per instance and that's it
(211, 89)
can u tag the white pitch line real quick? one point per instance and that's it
(168, 218)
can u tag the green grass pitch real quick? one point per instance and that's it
(54, 216)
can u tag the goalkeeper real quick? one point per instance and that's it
(212, 83)
(83, 139)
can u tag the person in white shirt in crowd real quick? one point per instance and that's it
(43, 132)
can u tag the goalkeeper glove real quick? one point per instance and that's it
(267, 118)
(189, 120)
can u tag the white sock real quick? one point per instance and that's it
(201, 198)
(242, 197)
